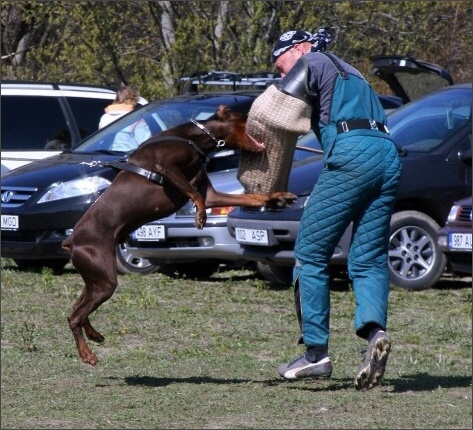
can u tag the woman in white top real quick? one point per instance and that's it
(125, 101)
(130, 137)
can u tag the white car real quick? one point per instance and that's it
(43, 119)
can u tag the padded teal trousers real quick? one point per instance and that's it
(359, 183)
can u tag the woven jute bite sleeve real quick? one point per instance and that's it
(277, 120)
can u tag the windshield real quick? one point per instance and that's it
(125, 134)
(424, 124)
(128, 132)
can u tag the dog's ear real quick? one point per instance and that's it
(223, 112)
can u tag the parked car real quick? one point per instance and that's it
(433, 136)
(42, 119)
(42, 201)
(454, 239)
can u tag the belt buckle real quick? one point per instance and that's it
(373, 124)
(344, 126)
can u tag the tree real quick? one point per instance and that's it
(153, 44)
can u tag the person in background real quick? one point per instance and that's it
(60, 142)
(358, 184)
(126, 100)
(130, 137)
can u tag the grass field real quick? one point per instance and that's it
(189, 354)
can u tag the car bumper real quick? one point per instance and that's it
(45, 248)
(459, 259)
(281, 239)
(40, 233)
(186, 243)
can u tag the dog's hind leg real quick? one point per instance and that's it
(90, 332)
(94, 295)
(100, 284)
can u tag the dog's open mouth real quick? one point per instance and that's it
(257, 146)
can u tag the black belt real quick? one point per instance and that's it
(152, 176)
(363, 124)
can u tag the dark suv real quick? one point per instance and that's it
(433, 136)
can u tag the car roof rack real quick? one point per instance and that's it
(228, 79)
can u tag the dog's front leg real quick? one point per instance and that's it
(277, 199)
(175, 178)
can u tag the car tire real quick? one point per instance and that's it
(279, 276)
(200, 270)
(282, 276)
(55, 264)
(415, 261)
(128, 263)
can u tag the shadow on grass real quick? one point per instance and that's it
(419, 382)
(453, 282)
(150, 381)
(336, 283)
(426, 382)
(38, 267)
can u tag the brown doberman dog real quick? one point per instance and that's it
(167, 170)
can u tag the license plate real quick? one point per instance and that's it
(459, 240)
(249, 235)
(10, 222)
(150, 232)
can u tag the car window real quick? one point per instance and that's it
(126, 133)
(131, 130)
(223, 161)
(417, 87)
(130, 137)
(121, 136)
(423, 126)
(32, 122)
(87, 113)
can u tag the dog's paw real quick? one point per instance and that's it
(281, 199)
(199, 222)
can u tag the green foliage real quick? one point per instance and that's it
(153, 44)
(28, 333)
(47, 278)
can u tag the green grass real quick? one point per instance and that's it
(189, 354)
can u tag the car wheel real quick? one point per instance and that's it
(129, 263)
(198, 270)
(415, 262)
(55, 264)
(280, 276)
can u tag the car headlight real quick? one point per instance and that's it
(77, 187)
(453, 215)
(442, 240)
